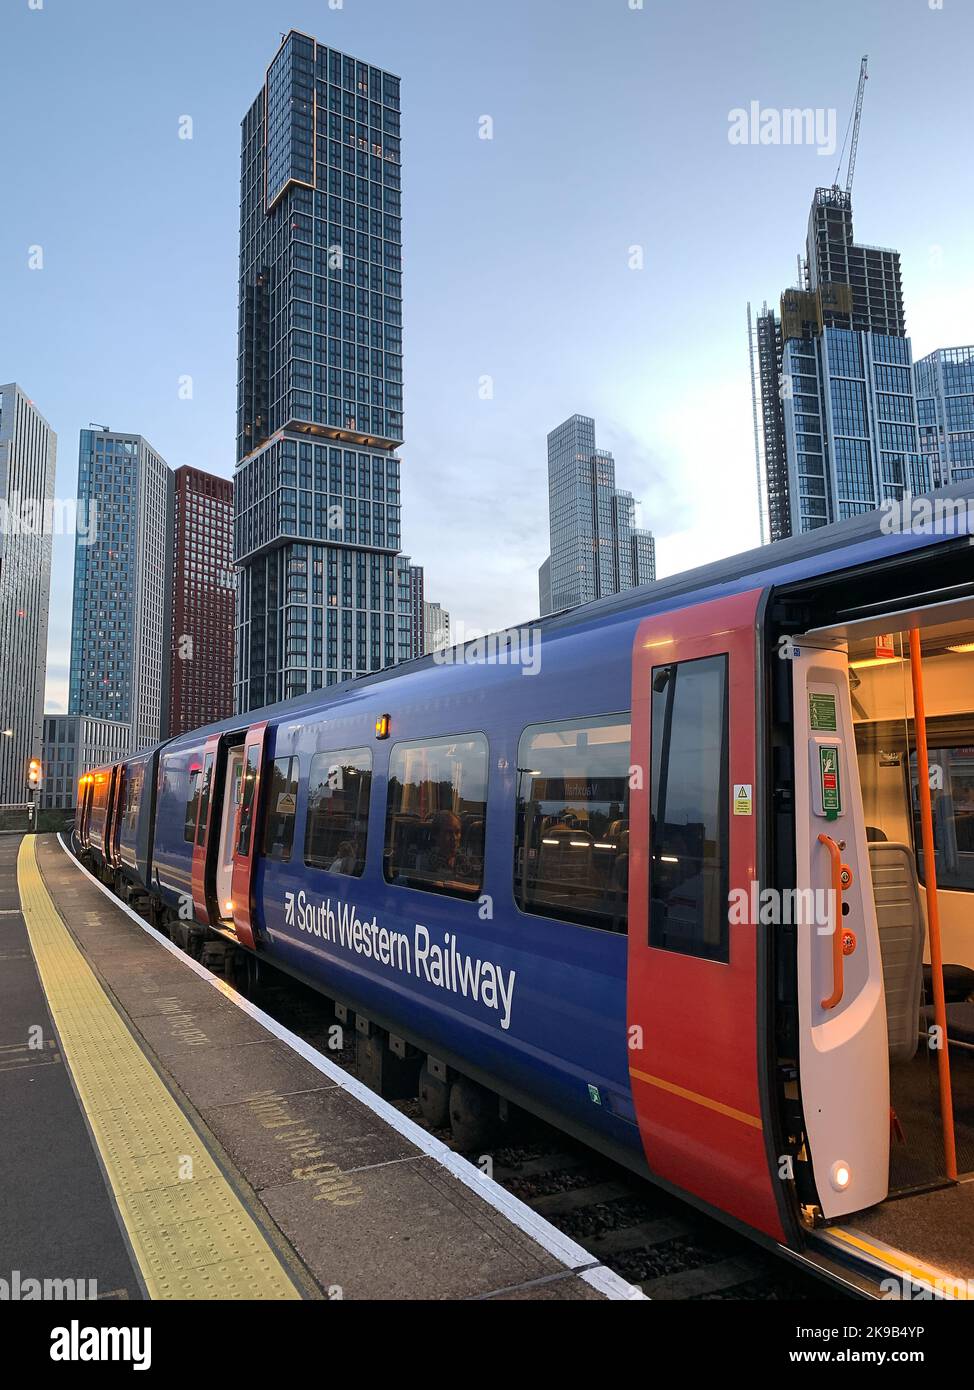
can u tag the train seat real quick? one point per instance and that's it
(902, 930)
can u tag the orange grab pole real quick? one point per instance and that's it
(838, 964)
(933, 904)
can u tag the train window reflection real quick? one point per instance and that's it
(435, 815)
(247, 798)
(689, 808)
(282, 804)
(192, 805)
(338, 811)
(571, 854)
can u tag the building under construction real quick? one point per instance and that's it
(835, 406)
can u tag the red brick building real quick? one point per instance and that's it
(201, 655)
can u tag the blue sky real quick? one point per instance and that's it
(610, 131)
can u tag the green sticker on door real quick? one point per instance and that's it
(821, 711)
(828, 762)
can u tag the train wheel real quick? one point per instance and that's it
(473, 1114)
(434, 1099)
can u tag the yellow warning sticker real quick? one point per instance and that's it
(742, 798)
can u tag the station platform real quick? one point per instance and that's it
(165, 1139)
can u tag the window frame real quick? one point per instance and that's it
(335, 753)
(577, 721)
(293, 780)
(474, 894)
(695, 948)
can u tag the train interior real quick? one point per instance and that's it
(929, 1211)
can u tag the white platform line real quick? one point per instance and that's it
(561, 1247)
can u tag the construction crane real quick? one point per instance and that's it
(853, 125)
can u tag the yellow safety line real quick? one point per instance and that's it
(190, 1232)
(698, 1099)
(890, 1257)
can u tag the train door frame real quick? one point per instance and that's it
(248, 825)
(227, 820)
(703, 1087)
(203, 907)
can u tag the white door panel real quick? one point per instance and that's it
(843, 1059)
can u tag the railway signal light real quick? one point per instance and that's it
(34, 774)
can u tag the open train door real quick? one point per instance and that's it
(843, 1050)
(203, 909)
(245, 843)
(698, 997)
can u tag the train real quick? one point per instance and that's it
(557, 870)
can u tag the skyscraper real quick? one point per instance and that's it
(595, 547)
(317, 503)
(123, 585)
(28, 452)
(839, 410)
(945, 401)
(412, 590)
(203, 588)
(436, 628)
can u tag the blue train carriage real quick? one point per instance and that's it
(582, 890)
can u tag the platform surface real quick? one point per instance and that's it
(163, 1142)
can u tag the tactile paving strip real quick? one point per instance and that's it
(190, 1232)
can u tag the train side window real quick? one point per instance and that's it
(435, 815)
(192, 805)
(247, 795)
(204, 798)
(282, 804)
(571, 851)
(689, 810)
(338, 811)
(133, 798)
(951, 775)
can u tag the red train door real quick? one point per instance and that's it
(201, 841)
(245, 845)
(118, 810)
(692, 989)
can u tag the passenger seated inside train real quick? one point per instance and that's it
(435, 815)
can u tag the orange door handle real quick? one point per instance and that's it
(840, 874)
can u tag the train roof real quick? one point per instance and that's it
(844, 545)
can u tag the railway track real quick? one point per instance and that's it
(653, 1240)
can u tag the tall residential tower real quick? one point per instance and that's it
(123, 586)
(203, 589)
(28, 449)
(316, 499)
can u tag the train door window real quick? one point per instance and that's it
(192, 805)
(689, 809)
(133, 798)
(571, 851)
(338, 811)
(247, 798)
(282, 805)
(435, 815)
(204, 798)
(951, 774)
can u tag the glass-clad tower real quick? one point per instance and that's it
(316, 500)
(945, 400)
(122, 585)
(596, 548)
